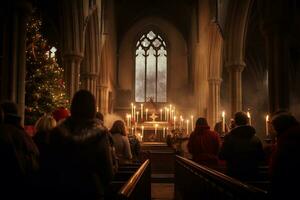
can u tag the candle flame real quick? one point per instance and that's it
(267, 118)
(223, 114)
(248, 114)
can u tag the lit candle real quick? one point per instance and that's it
(161, 116)
(249, 116)
(127, 117)
(192, 121)
(164, 132)
(146, 114)
(223, 121)
(142, 131)
(97, 108)
(166, 113)
(131, 109)
(142, 112)
(156, 125)
(187, 126)
(132, 130)
(174, 121)
(137, 116)
(134, 113)
(267, 125)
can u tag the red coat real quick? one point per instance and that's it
(204, 146)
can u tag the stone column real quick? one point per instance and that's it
(14, 56)
(235, 86)
(102, 93)
(72, 40)
(214, 100)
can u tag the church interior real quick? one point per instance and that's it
(158, 66)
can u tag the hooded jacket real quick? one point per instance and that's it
(80, 162)
(243, 152)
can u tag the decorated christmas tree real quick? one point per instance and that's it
(45, 87)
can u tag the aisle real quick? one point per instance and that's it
(162, 191)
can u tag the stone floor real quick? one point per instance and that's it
(162, 191)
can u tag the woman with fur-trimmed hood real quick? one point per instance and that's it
(80, 162)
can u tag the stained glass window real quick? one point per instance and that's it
(151, 68)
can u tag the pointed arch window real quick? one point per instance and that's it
(151, 68)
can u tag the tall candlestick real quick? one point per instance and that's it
(156, 125)
(187, 126)
(174, 122)
(192, 121)
(134, 113)
(146, 114)
(267, 125)
(223, 121)
(137, 116)
(161, 116)
(249, 116)
(127, 117)
(164, 132)
(131, 109)
(142, 112)
(132, 130)
(166, 113)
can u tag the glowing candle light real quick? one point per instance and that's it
(249, 116)
(192, 121)
(223, 121)
(156, 125)
(137, 116)
(142, 112)
(132, 130)
(134, 113)
(174, 122)
(164, 132)
(146, 114)
(166, 113)
(161, 116)
(267, 125)
(187, 126)
(127, 117)
(131, 109)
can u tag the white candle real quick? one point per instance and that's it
(164, 132)
(127, 117)
(223, 121)
(267, 125)
(187, 126)
(174, 121)
(134, 113)
(192, 121)
(146, 114)
(131, 109)
(161, 116)
(165, 113)
(249, 116)
(132, 130)
(142, 131)
(137, 116)
(156, 125)
(142, 112)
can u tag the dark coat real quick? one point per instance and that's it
(285, 165)
(243, 152)
(204, 146)
(80, 163)
(19, 163)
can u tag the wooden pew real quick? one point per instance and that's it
(194, 181)
(139, 184)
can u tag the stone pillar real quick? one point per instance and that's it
(89, 82)
(214, 100)
(275, 27)
(102, 93)
(235, 86)
(72, 73)
(14, 56)
(72, 39)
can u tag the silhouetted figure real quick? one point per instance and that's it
(19, 157)
(135, 147)
(242, 149)
(219, 128)
(121, 142)
(80, 158)
(204, 144)
(285, 161)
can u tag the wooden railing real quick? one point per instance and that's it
(194, 181)
(138, 185)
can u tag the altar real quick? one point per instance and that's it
(154, 131)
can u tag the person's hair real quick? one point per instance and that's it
(118, 127)
(100, 116)
(10, 111)
(200, 124)
(45, 123)
(241, 118)
(282, 121)
(83, 105)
